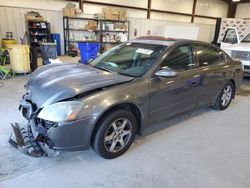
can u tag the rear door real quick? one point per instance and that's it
(213, 70)
(172, 96)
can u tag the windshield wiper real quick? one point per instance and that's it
(103, 68)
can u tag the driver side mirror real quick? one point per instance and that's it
(167, 73)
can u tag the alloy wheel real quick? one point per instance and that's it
(118, 135)
(227, 95)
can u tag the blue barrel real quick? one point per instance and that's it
(48, 51)
(56, 39)
(88, 50)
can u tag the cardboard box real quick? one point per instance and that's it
(91, 25)
(70, 12)
(107, 13)
(115, 14)
(110, 14)
(121, 26)
(87, 26)
(122, 14)
(33, 18)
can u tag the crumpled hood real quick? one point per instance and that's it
(52, 83)
(238, 47)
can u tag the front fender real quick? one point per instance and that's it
(97, 108)
(137, 94)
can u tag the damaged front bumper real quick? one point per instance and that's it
(36, 140)
(41, 137)
(22, 138)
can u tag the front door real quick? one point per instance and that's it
(172, 96)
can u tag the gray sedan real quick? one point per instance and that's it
(107, 102)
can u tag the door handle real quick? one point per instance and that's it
(194, 81)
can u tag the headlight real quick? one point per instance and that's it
(61, 111)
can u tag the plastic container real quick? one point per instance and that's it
(7, 43)
(48, 51)
(20, 58)
(56, 39)
(88, 50)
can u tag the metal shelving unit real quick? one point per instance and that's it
(104, 31)
(38, 32)
(69, 29)
(99, 32)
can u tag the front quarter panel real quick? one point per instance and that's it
(135, 92)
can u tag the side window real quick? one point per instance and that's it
(180, 59)
(230, 36)
(207, 55)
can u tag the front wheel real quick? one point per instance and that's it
(115, 134)
(225, 97)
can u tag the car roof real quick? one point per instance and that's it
(158, 40)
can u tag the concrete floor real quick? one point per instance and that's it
(207, 148)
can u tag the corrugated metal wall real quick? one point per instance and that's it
(206, 31)
(12, 19)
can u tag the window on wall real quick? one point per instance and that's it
(180, 59)
(207, 55)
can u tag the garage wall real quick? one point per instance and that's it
(206, 31)
(12, 19)
(184, 6)
(37, 4)
(12, 15)
(93, 9)
(242, 10)
(214, 8)
(135, 3)
(171, 17)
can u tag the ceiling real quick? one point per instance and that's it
(241, 1)
(228, 1)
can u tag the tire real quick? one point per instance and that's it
(225, 97)
(116, 132)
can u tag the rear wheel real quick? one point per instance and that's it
(225, 96)
(115, 134)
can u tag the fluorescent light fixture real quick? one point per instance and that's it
(236, 0)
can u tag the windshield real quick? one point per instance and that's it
(247, 38)
(131, 59)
